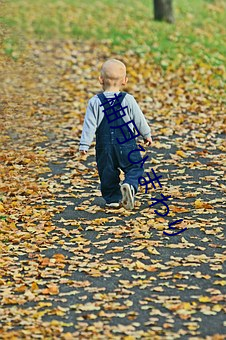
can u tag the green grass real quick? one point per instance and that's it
(198, 31)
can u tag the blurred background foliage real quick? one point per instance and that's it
(198, 31)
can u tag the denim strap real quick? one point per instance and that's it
(106, 104)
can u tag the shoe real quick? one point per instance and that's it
(128, 193)
(113, 205)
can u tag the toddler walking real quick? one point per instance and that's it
(111, 149)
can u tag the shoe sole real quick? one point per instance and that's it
(114, 205)
(127, 197)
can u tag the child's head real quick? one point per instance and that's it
(113, 75)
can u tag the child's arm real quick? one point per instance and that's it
(140, 121)
(88, 130)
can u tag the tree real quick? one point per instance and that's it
(163, 10)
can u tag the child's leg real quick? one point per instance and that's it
(132, 171)
(107, 166)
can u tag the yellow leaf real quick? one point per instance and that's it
(192, 326)
(59, 257)
(158, 289)
(200, 204)
(12, 225)
(44, 304)
(21, 289)
(100, 221)
(1, 208)
(34, 286)
(115, 250)
(159, 227)
(181, 153)
(187, 306)
(153, 251)
(140, 265)
(155, 161)
(204, 299)
(217, 308)
(38, 315)
(222, 282)
(53, 289)
(67, 336)
(78, 239)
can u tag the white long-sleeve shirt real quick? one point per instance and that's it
(95, 114)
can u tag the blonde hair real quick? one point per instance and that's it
(112, 71)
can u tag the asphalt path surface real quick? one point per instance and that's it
(177, 298)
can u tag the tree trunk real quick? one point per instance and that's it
(163, 10)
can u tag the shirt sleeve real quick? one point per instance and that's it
(89, 128)
(139, 119)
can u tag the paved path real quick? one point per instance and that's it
(107, 274)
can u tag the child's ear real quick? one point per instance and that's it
(101, 80)
(125, 81)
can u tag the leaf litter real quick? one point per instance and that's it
(69, 268)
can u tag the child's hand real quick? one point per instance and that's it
(148, 141)
(83, 152)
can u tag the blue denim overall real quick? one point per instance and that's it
(112, 156)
